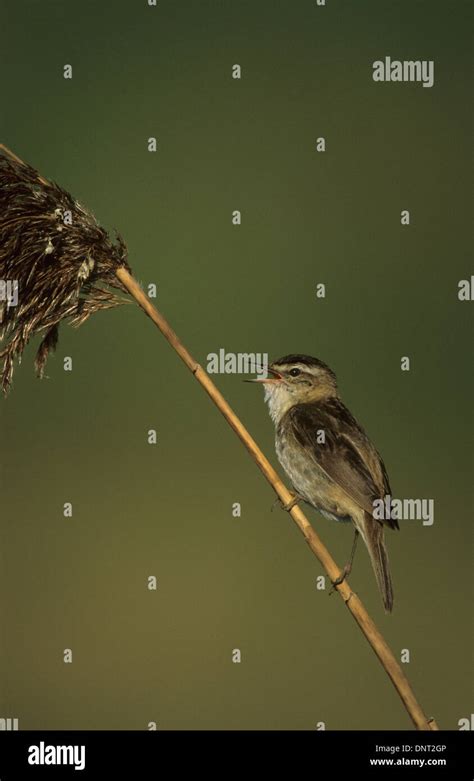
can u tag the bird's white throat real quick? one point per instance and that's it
(279, 399)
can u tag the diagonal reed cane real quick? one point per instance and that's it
(78, 268)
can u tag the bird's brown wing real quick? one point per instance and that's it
(347, 456)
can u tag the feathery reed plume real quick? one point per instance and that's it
(61, 259)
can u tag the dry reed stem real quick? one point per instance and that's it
(352, 601)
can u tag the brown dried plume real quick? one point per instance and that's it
(62, 260)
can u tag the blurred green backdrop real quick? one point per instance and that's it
(307, 217)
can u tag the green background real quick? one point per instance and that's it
(307, 217)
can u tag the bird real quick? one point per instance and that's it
(330, 460)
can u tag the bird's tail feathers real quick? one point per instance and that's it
(373, 536)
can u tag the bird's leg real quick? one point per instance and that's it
(295, 498)
(347, 567)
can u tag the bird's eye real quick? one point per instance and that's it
(295, 372)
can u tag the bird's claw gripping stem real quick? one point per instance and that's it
(289, 505)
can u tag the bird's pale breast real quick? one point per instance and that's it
(308, 479)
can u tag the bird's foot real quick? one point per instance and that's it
(289, 505)
(344, 574)
(347, 569)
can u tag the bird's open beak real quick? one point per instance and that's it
(275, 378)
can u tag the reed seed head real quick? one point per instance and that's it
(59, 259)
